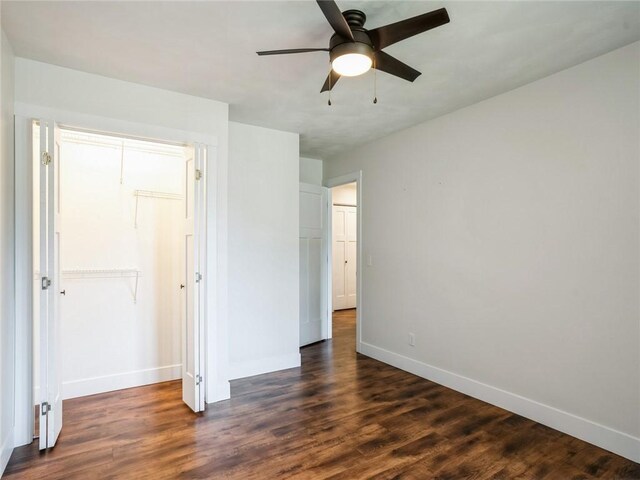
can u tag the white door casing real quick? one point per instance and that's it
(50, 341)
(194, 306)
(314, 312)
(344, 253)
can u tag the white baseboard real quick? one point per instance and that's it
(5, 451)
(219, 391)
(119, 381)
(613, 440)
(264, 365)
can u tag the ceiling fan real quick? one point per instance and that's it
(353, 49)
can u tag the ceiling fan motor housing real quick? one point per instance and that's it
(339, 46)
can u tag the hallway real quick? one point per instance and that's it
(341, 415)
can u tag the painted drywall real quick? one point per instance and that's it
(48, 86)
(116, 334)
(263, 250)
(310, 171)
(345, 195)
(505, 236)
(7, 233)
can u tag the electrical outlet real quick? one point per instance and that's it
(369, 261)
(412, 340)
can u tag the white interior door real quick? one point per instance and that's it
(344, 223)
(50, 341)
(350, 274)
(314, 313)
(193, 389)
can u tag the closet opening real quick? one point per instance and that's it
(117, 246)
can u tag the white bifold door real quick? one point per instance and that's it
(345, 230)
(50, 400)
(314, 312)
(193, 350)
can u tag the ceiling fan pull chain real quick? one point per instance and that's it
(329, 102)
(375, 82)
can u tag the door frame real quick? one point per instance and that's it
(216, 259)
(336, 182)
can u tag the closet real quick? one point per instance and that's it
(121, 261)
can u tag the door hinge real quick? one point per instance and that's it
(44, 408)
(46, 158)
(198, 379)
(46, 283)
(198, 174)
(198, 277)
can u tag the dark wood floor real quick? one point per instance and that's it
(340, 416)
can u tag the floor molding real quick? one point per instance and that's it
(119, 381)
(613, 440)
(264, 365)
(5, 451)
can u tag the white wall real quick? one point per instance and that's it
(109, 341)
(506, 237)
(311, 171)
(263, 250)
(7, 231)
(345, 194)
(47, 86)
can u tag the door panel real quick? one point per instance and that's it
(339, 257)
(345, 229)
(193, 280)
(351, 263)
(314, 312)
(50, 237)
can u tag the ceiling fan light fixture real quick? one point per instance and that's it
(350, 59)
(352, 64)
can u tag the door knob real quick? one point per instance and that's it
(181, 286)
(63, 292)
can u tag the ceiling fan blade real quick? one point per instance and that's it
(386, 63)
(335, 18)
(331, 80)
(292, 50)
(389, 34)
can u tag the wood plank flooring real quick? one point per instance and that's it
(340, 416)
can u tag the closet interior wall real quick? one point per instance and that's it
(122, 210)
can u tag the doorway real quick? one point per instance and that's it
(345, 253)
(118, 257)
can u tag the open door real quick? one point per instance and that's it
(50, 340)
(193, 361)
(314, 311)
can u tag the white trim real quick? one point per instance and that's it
(329, 269)
(336, 182)
(264, 365)
(119, 381)
(613, 440)
(106, 125)
(6, 450)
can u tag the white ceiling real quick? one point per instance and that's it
(208, 49)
